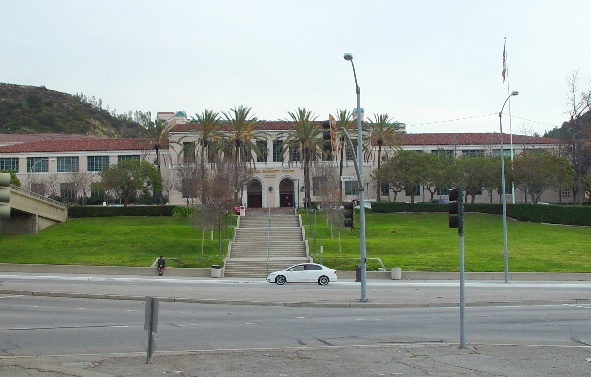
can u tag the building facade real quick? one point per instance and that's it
(54, 166)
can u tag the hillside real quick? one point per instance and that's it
(31, 109)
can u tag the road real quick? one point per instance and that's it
(34, 326)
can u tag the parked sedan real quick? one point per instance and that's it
(304, 273)
(366, 204)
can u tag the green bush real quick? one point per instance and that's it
(179, 211)
(536, 213)
(111, 211)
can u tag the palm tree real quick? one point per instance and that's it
(239, 140)
(208, 132)
(158, 133)
(382, 132)
(344, 119)
(209, 135)
(306, 137)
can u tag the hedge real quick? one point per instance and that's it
(537, 213)
(111, 211)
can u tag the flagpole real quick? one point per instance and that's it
(506, 76)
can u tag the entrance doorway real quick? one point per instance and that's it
(254, 194)
(286, 193)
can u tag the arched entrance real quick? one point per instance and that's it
(286, 193)
(254, 195)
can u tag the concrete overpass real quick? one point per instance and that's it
(31, 212)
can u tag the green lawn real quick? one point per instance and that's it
(411, 241)
(423, 242)
(114, 241)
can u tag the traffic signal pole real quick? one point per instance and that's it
(456, 209)
(461, 241)
(359, 172)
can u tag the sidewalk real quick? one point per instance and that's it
(417, 360)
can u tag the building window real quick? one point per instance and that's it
(415, 191)
(97, 163)
(37, 164)
(473, 152)
(97, 193)
(10, 163)
(385, 189)
(350, 187)
(506, 152)
(125, 157)
(565, 192)
(67, 164)
(317, 183)
(188, 152)
(277, 150)
(443, 190)
(295, 154)
(446, 155)
(262, 145)
(67, 191)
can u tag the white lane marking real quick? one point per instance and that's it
(580, 306)
(1, 297)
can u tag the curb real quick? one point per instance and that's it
(371, 275)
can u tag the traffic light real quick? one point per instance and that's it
(329, 135)
(456, 209)
(4, 195)
(348, 206)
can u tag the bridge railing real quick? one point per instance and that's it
(37, 196)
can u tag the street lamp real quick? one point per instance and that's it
(362, 254)
(503, 198)
(31, 169)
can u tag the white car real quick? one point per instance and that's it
(366, 204)
(304, 273)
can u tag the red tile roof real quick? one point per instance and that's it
(80, 145)
(471, 139)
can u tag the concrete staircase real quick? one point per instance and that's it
(283, 234)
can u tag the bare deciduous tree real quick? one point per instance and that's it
(576, 131)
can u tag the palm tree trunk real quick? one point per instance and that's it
(307, 179)
(341, 166)
(202, 172)
(236, 160)
(379, 184)
(159, 193)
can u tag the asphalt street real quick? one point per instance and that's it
(486, 357)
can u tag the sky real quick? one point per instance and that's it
(433, 65)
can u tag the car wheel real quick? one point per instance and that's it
(323, 280)
(280, 280)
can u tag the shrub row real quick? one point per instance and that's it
(553, 214)
(537, 213)
(100, 211)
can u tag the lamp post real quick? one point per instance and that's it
(31, 169)
(362, 254)
(503, 198)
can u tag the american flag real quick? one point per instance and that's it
(504, 60)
